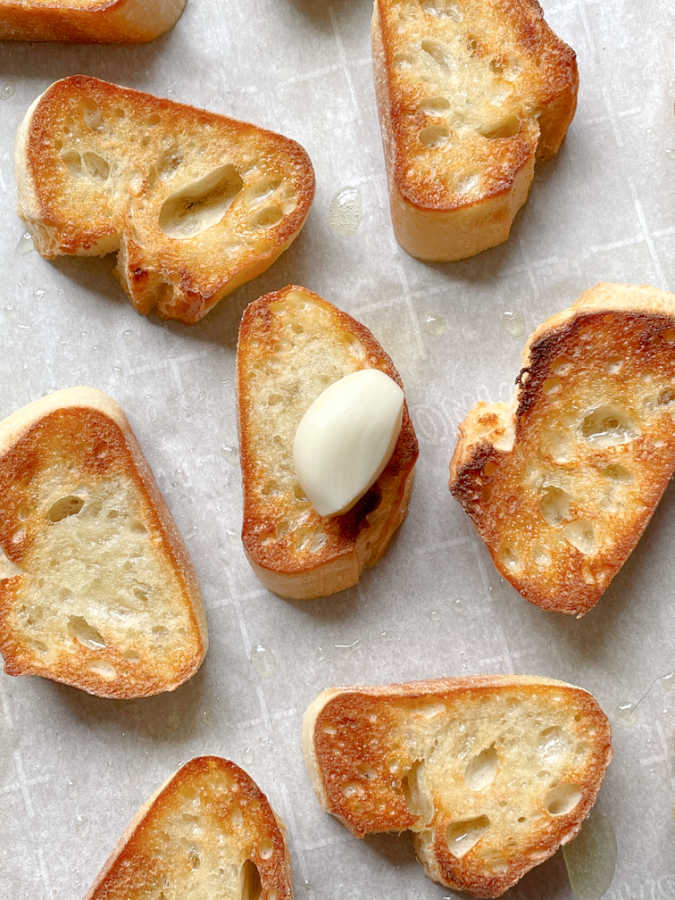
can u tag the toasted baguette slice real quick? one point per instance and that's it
(196, 204)
(292, 345)
(96, 586)
(469, 94)
(491, 773)
(87, 21)
(209, 834)
(561, 485)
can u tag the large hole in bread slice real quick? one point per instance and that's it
(434, 136)
(608, 424)
(581, 534)
(201, 204)
(66, 506)
(268, 217)
(443, 9)
(251, 886)
(417, 796)
(263, 188)
(87, 163)
(95, 166)
(436, 51)
(617, 472)
(435, 106)
(482, 770)
(501, 128)
(72, 161)
(562, 799)
(555, 505)
(463, 836)
(85, 633)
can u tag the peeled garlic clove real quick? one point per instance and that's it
(346, 438)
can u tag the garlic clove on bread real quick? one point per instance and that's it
(346, 438)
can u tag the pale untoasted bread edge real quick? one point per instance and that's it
(29, 206)
(424, 232)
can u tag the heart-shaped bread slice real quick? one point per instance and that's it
(561, 485)
(491, 773)
(96, 586)
(208, 833)
(195, 203)
(292, 346)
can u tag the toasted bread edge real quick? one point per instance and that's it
(384, 692)
(31, 209)
(283, 880)
(343, 570)
(482, 887)
(475, 447)
(449, 235)
(187, 303)
(11, 431)
(102, 21)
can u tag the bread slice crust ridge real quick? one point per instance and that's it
(200, 835)
(88, 21)
(195, 204)
(561, 485)
(97, 589)
(292, 345)
(470, 94)
(491, 773)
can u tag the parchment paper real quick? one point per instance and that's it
(74, 768)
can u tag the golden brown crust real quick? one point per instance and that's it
(357, 738)
(436, 215)
(87, 21)
(621, 358)
(96, 446)
(136, 866)
(354, 540)
(179, 278)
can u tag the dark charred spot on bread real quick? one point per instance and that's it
(352, 522)
(473, 476)
(628, 332)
